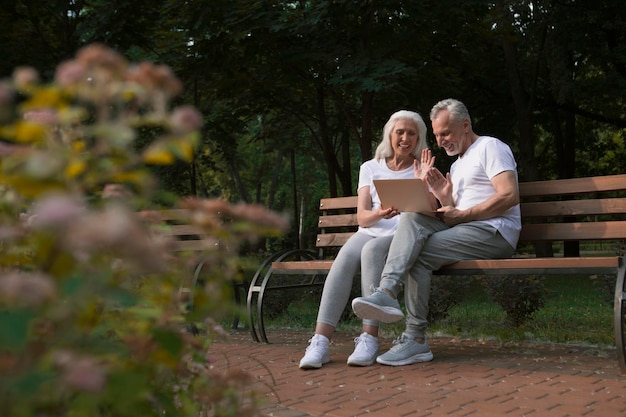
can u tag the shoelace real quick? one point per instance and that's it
(400, 339)
(360, 339)
(313, 344)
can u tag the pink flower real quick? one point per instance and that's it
(80, 373)
(70, 73)
(25, 77)
(41, 116)
(155, 77)
(6, 94)
(185, 119)
(26, 289)
(56, 212)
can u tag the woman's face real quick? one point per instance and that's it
(404, 137)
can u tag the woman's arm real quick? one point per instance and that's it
(367, 217)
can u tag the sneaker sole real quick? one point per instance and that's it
(316, 365)
(370, 311)
(354, 362)
(420, 357)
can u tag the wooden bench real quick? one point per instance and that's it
(553, 212)
(173, 223)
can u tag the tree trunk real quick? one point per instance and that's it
(327, 146)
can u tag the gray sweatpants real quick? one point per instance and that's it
(361, 252)
(423, 244)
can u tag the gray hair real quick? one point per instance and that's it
(457, 110)
(384, 149)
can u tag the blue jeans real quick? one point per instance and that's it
(423, 244)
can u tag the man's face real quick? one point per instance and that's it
(452, 136)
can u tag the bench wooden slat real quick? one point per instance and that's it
(339, 220)
(574, 207)
(195, 245)
(536, 232)
(503, 266)
(178, 230)
(572, 186)
(164, 215)
(573, 231)
(314, 266)
(325, 240)
(587, 262)
(338, 203)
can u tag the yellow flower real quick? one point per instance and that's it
(158, 154)
(26, 132)
(48, 97)
(78, 146)
(75, 168)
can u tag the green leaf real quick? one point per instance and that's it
(31, 382)
(14, 328)
(168, 340)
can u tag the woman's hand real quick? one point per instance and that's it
(387, 213)
(424, 165)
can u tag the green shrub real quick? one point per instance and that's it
(445, 293)
(90, 320)
(519, 295)
(605, 284)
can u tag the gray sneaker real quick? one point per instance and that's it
(379, 306)
(406, 351)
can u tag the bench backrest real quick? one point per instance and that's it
(173, 223)
(577, 209)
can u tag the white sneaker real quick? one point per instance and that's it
(365, 350)
(316, 353)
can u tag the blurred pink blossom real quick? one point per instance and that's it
(99, 57)
(80, 372)
(155, 77)
(30, 289)
(24, 77)
(116, 191)
(6, 94)
(70, 73)
(185, 119)
(116, 229)
(41, 116)
(56, 211)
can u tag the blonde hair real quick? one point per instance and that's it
(385, 150)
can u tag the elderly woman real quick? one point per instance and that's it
(397, 156)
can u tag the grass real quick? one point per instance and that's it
(576, 312)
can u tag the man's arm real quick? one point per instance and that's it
(506, 196)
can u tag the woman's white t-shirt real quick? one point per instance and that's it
(374, 170)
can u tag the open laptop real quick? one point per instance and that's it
(407, 194)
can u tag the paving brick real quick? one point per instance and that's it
(467, 378)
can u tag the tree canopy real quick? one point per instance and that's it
(295, 93)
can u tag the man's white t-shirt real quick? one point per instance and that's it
(373, 170)
(471, 180)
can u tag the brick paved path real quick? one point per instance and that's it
(466, 378)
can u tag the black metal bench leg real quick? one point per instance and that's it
(253, 293)
(618, 317)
